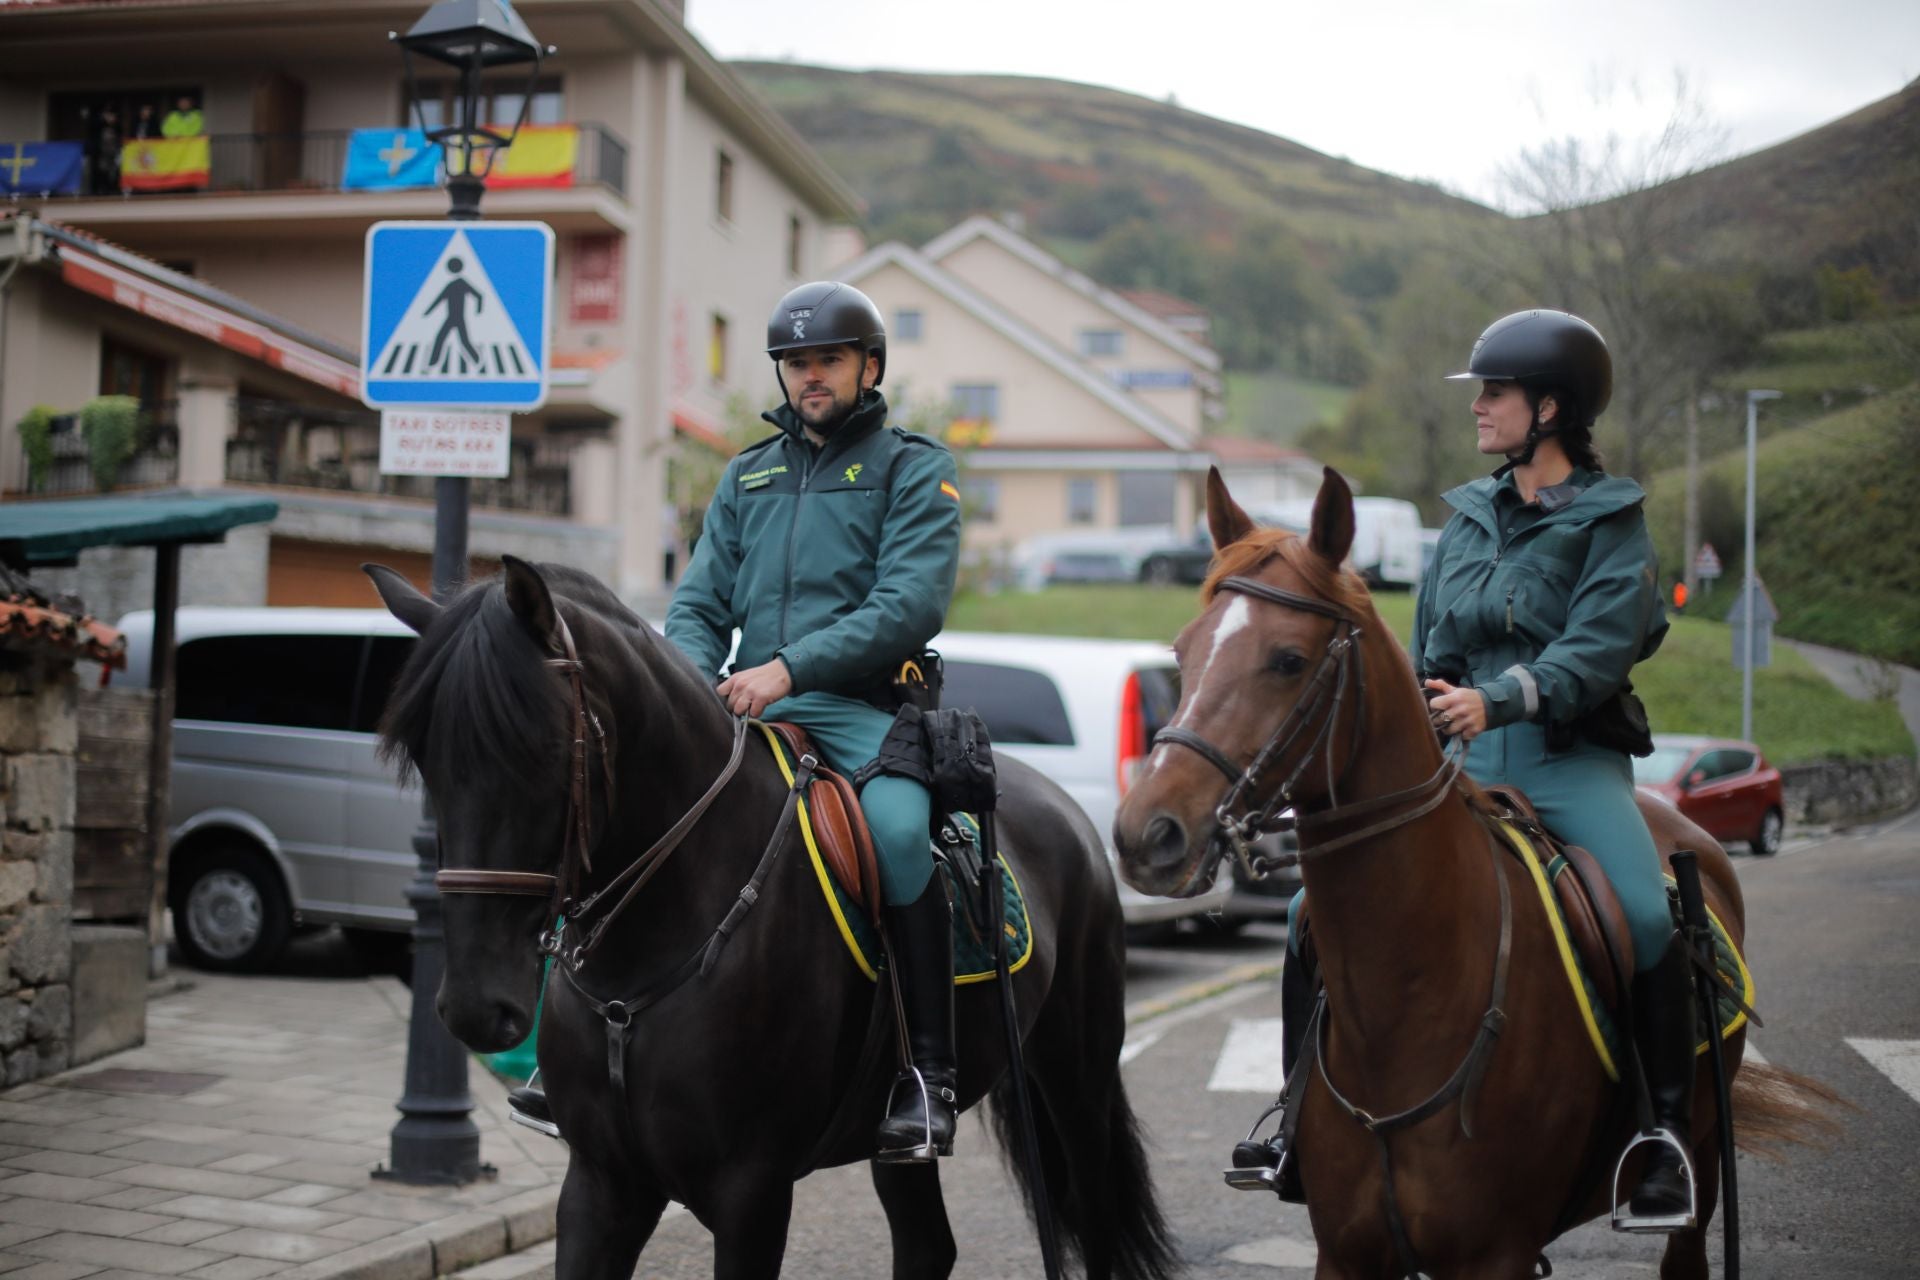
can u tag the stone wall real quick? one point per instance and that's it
(38, 734)
(1848, 792)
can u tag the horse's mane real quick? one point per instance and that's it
(1326, 580)
(477, 684)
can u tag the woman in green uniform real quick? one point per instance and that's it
(1541, 596)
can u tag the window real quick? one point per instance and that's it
(723, 187)
(498, 104)
(794, 232)
(1146, 497)
(1100, 342)
(908, 325)
(387, 656)
(717, 349)
(1019, 705)
(298, 682)
(980, 498)
(976, 402)
(1724, 763)
(1082, 499)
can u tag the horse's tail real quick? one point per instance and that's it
(1101, 1192)
(1774, 1108)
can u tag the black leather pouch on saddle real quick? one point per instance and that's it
(1619, 724)
(960, 752)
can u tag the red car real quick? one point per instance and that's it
(1723, 784)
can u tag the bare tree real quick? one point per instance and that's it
(1604, 225)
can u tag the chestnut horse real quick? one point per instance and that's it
(1288, 667)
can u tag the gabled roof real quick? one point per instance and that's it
(1020, 333)
(993, 229)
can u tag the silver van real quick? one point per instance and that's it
(282, 815)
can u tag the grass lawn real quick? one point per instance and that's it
(1690, 686)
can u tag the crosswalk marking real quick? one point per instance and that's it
(1897, 1060)
(1134, 1048)
(1249, 1062)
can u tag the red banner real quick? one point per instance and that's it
(593, 279)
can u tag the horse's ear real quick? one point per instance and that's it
(528, 597)
(403, 600)
(1332, 534)
(1225, 520)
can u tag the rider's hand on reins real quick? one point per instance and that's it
(749, 692)
(1456, 712)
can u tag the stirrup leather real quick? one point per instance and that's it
(1624, 1219)
(923, 1152)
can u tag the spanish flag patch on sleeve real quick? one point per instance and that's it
(949, 490)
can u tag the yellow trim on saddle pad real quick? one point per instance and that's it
(827, 887)
(1747, 990)
(1561, 943)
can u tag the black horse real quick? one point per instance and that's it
(773, 1062)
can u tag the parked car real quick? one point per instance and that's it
(283, 816)
(1089, 555)
(1723, 784)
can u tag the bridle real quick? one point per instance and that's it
(562, 890)
(1341, 667)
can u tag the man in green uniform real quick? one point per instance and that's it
(833, 546)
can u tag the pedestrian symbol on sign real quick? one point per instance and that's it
(457, 315)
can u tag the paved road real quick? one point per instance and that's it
(1838, 966)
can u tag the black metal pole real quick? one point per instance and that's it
(436, 1140)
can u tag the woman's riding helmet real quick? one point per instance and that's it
(1543, 351)
(826, 313)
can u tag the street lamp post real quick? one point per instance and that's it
(1752, 578)
(435, 1140)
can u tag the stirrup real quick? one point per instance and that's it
(1257, 1161)
(1624, 1219)
(924, 1152)
(536, 1115)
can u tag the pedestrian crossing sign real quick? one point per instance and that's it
(457, 315)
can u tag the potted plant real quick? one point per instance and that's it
(110, 425)
(36, 435)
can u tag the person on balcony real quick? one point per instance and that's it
(144, 124)
(184, 121)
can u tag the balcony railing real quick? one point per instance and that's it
(317, 162)
(339, 451)
(155, 461)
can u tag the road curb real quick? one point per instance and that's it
(441, 1248)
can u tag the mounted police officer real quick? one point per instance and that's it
(1541, 596)
(833, 546)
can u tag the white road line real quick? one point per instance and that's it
(1134, 1048)
(1750, 1052)
(1897, 1060)
(1249, 1062)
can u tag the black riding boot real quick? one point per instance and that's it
(1664, 1031)
(1296, 1008)
(920, 1117)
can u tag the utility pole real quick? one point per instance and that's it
(1750, 574)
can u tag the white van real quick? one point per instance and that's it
(1386, 536)
(283, 815)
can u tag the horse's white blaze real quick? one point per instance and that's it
(1237, 618)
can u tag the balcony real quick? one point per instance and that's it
(260, 184)
(68, 469)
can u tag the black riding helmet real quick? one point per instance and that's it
(1545, 351)
(824, 314)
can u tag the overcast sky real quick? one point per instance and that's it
(1437, 89)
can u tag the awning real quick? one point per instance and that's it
(56, 532)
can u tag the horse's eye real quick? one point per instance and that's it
(1286, 662)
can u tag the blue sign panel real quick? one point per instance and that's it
(457, 315)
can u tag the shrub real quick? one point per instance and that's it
(111, 426)
(36, 434)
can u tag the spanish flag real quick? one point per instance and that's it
(541, 156)
(165, 164)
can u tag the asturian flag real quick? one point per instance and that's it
(389, 160)
(41, 168)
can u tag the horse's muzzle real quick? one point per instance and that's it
(485, 1026)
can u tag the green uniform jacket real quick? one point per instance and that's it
(1546, 619)
(840, 562)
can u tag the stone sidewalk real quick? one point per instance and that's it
(240, 1143)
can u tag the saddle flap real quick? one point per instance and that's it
(1596, 924)
(839, 827)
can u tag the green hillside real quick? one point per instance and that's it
(1838, 543)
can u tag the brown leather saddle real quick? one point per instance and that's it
(1595, 923)
(839, 826)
